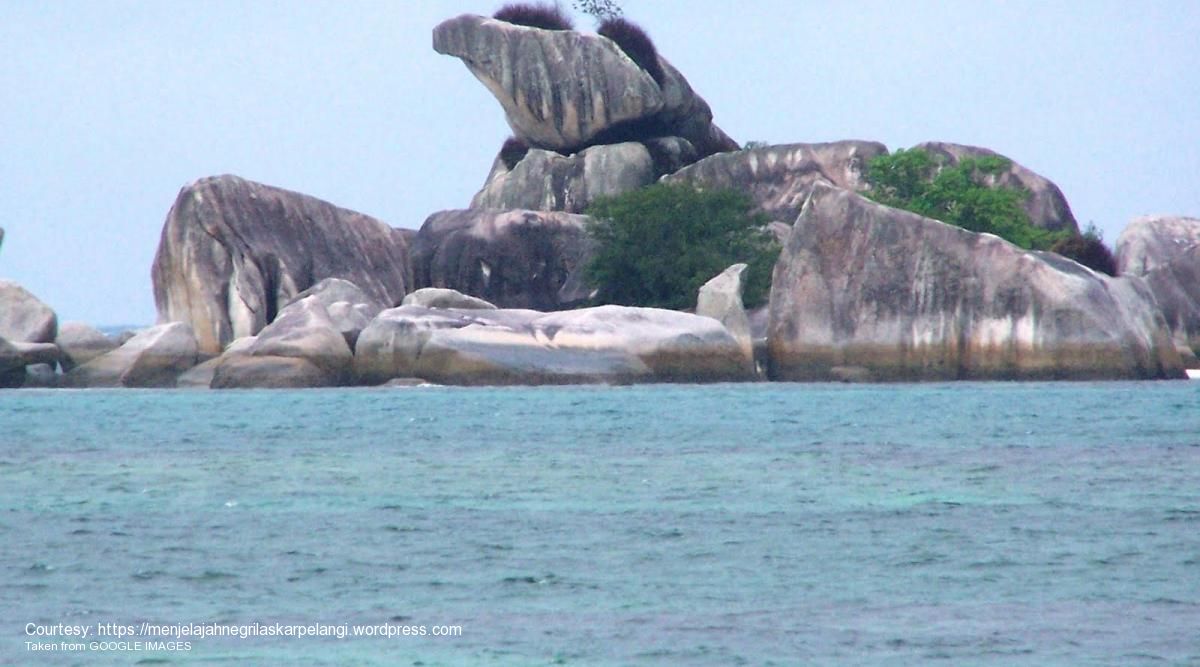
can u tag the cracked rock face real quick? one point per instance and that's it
(564, 90)
(233, 253)
(870, 292)
(513, 259)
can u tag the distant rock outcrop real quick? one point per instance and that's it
(608, 344)
(154, 357)
(548, 181)
(563, 90)
(1046, 205)
(23, 317)
(1165, 251)
(869, 292)
(780, 178)
(513, 259)
(440, 297)
(80, 343)
(234, 252)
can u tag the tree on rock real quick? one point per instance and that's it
(656, 246)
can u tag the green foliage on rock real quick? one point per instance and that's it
(959, 195)
(656, 246)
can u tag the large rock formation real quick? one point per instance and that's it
(303, 347)
(1165, 250)
(1046, 205)
(780, 178)
(154, 357)
(1153, 241)
(548, 181)
(23, 317)
(863, 290)
(564, 90)
(609, 344)
(513, 259)
(234, 252)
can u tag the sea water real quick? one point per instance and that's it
(763, 524)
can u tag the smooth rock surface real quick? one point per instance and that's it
(23, 317)
(721, 299)
(780, 178)
(305, 331)
(513, 259)
(864, 286)
(1046, 206)
(438, 297)
(80, 343)
(608, 344)
(349, 307)
(549, 181)
(565, 90)
(270, 372)
(1153, 241)
(233, 253)
(154, 357)
(1165, 251)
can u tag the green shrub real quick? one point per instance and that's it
(657, 246)
(914, 181)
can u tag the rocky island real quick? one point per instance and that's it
(257, 286)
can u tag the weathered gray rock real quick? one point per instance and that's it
(563, 90)
(16, 357)
(23, 317)
(154, 357)
(608, 344)
(269, 372)
(549, 181)
(780, 178)
(1046, 205)
(721, 299)
(201, 375)
(437, 297)
(40, 376)
(305, 331)
(889, 295)
(1165, 250)
(1153, 241)
(80, 343)
(349, 308)
(234, 252)
(514, 259)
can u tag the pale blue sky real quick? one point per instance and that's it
(110, 107)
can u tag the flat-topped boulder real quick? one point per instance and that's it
(607, 344)
(1165, 251)
(23, 316)
(563, 90)
(865, 291)
(513, 259)
(780, 178)
(233, 253)
(1046, 205)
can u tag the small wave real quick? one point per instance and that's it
(208, 575)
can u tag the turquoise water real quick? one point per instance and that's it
(957, 524)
